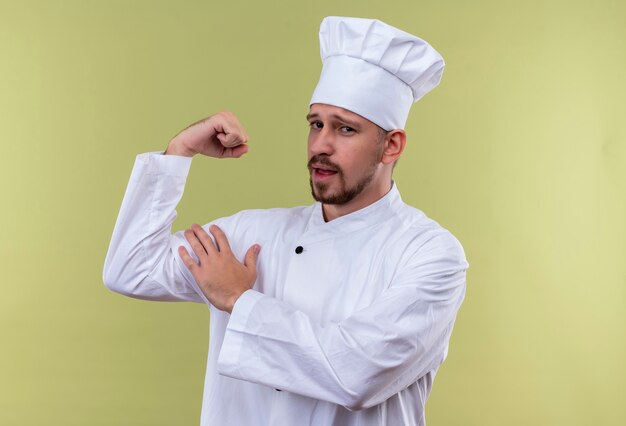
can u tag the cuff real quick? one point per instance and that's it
(242, 309)
(155, 163)
(228, 359)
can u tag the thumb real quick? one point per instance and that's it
(251, 257)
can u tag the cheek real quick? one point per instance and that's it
(362, 157)
(354, 162)
(309, 145)
(362, 161)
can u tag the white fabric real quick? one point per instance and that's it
(374, 69)
(349, 332)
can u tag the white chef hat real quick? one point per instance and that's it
(374, 69)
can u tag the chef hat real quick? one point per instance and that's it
(374, 69)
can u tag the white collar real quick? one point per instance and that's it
(383, 209)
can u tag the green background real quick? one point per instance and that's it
(520, 152)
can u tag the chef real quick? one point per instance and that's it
(336, 313)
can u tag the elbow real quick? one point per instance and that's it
(123, 272)
(356, 402)
(377, 383)
(355, 405)
(112, 283)
(117, 282)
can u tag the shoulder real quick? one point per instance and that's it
(429, 257)
(425, 238)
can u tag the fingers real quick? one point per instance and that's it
(230, 140)
(220, 239)
(204, 246)
(187, 259)
(200, 242)
(229, 130)
(251, 257)
(235, 152)
(196, 245)
(205, 240)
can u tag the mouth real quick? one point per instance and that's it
(321, 172)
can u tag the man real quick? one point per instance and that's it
(340, 312)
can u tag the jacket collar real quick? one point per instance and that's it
(383, 209)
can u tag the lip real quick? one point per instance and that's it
(322, 173)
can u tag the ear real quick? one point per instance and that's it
(395, 141)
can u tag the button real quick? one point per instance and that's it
(299, 249)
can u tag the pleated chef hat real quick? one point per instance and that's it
(374, 69)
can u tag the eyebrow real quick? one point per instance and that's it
(338, 117)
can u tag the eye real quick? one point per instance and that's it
(347, 129)
(316, 125)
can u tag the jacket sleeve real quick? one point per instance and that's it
(142, 260)
(364, 359)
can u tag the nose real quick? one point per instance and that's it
(321, 141)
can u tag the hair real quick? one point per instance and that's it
(382, 133)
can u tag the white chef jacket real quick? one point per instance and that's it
(350, 331)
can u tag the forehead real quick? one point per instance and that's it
(326, 111)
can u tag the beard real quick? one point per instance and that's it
(345, 193)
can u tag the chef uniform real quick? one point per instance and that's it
(348, 320)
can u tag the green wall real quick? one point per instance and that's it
(521, 153)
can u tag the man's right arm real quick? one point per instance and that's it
(140, 262)
(142, 258)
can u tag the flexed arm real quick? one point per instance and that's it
(141, 260)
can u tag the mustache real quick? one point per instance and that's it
(322, 160)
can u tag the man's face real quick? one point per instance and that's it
(344, 153)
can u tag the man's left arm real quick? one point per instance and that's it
(364, 359)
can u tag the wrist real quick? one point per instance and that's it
(178, 149)
(233, 300)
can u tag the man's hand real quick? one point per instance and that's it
(219, 274)
(220, 136)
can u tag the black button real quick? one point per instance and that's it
(299, 249)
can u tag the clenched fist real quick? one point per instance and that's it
(220, 136)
